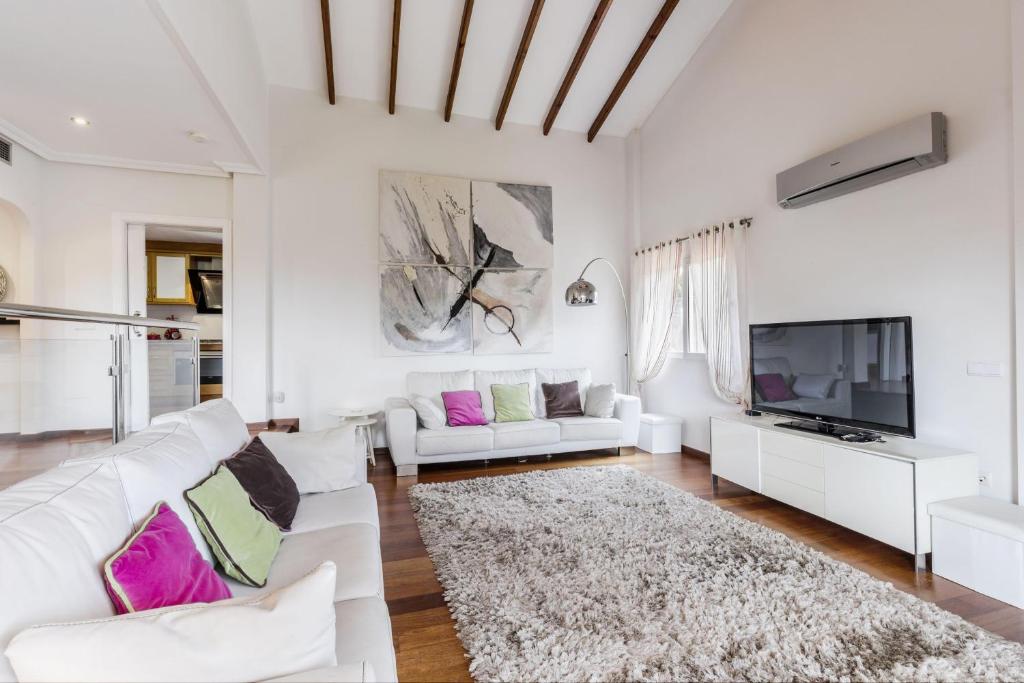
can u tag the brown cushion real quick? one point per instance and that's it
(271, 490)
(562, 400)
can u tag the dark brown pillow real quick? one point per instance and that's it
(271, 489)
(562, 400)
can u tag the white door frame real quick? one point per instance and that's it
(119, 228)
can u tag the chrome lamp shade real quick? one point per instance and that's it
(581, 293)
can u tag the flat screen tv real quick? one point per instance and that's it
(838, 374)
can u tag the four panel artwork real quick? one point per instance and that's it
(465, 266)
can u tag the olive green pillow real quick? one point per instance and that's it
(241, 538)
(511, 402)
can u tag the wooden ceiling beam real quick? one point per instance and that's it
(396, 29)
(517, 65)
(460, 46)
(634, 64)
(325, 20)
(577, 62)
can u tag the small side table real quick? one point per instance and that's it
(363, 420)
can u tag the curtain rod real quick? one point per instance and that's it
(744, 222)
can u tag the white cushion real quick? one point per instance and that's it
(285, 632)
(988, 514)
(560, 376)
(56, 530)
(770, 366)
(431, 384)
(454, 440)
(217, 424)
(355, 548)
(524, 434)
(364, 632)
(600, 401)
(430, 415)
(813, 386)
(357, 505)
(590, 428)
(317, 461)
(358, 672)
(483, 379)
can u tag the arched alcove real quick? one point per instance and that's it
(13, 237)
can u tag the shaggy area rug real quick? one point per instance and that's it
(606, 574)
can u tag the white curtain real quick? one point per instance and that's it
(716, 258)
(656, 273)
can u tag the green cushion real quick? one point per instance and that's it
(511, 402)
(242, 539)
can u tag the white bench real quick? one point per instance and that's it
(660, 433)
(979, 543)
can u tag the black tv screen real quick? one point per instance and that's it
(853, 373)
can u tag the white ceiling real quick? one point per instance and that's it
(171, 233)
(290, 39)
(112, 62)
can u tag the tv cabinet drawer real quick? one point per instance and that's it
(794, 471)
(793, 494)
(796, 448)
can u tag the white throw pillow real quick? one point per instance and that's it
(244, 639)
(431, 417)
(217, 424)
(318, 461)
(600, 400)
(813, 386)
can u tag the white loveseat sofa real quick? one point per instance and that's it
(57, 529)
(411, 444)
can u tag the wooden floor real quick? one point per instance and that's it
(428, 648)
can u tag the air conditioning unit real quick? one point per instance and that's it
(903, 149)
(6, 149)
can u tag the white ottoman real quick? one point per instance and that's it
(660, 433)
(979, 543)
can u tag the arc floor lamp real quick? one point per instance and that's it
(584, 293)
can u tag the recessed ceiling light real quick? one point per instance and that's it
(80, 121)
(196, 136)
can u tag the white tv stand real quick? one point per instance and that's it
(881, 490)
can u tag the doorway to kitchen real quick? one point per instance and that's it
(177, 270)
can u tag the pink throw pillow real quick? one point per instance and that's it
(463, 408)
(160, 567)
(773, 387)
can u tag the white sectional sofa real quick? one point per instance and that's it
(410, 443)
(57, 529)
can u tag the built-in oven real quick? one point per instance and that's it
(211, 370)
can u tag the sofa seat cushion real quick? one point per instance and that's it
(354, 548)
(454, 440)
(590, 428)
(357, 505)
(363, 631)
(524, 434)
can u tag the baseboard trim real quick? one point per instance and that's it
(686, 450)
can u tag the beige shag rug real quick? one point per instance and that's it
(606, 574)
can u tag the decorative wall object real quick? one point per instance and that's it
(512, 312)
(512, 226)
(424, 219)
(464, 266)
(424, 309)
(3, 283)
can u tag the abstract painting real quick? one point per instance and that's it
(423, 309)
(512, 311)
(512, 226)
(424, 219)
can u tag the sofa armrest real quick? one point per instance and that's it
(358, 672)
(627, 409)
(400, 422)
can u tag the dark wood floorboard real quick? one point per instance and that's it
(428, 649)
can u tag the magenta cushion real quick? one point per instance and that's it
(773, 387)
(463, 408)
(160, 567)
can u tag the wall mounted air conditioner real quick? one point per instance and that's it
(906, 148)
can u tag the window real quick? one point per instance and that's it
(687, 337)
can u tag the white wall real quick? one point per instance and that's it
(326, 162)
(780, 82)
